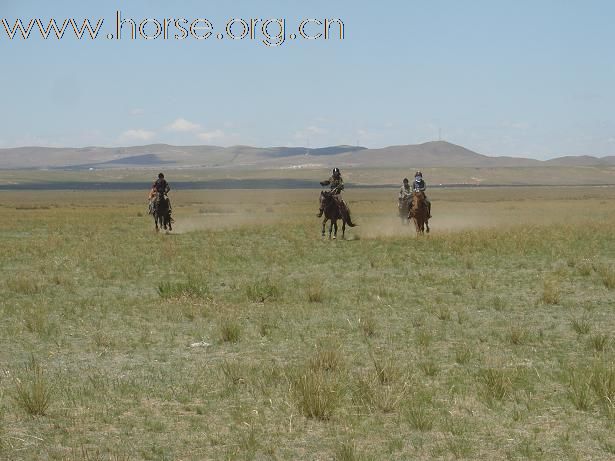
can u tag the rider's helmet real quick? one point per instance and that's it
(405, 180)
(160, 175)
(418, 174)
(336, 172)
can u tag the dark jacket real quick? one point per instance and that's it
(419, 185)
(336, 184)
(162, 186)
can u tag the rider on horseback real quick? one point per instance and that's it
(419, 185)
(336, 183)
(160, 189)
(405, 192)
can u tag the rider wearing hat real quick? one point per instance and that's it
(419, 185)
(336, 184)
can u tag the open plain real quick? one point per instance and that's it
(244, 335)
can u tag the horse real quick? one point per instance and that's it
(162, 213)
(334, 208)
(403, 207)
(419, 212)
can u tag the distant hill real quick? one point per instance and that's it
(426, 155)
(582, 160)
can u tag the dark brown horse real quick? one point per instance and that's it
(334, 208)
(419, 212)
(162, 213)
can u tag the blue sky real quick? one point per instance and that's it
(523, 78)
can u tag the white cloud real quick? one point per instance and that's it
(137, 111)
(208, 136)
(183, 125)
(137, 135)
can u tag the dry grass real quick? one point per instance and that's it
(243, 335)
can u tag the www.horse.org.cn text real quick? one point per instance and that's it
(271, 32)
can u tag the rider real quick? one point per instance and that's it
(405, 191)
(419, 185)
(336, 183)
(161, 188)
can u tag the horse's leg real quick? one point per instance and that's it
(343, 229)
(330, 228)
(335, 229)
(324, 221)
(427, 225)
(169, 220)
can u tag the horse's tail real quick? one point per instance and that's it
(346, 215)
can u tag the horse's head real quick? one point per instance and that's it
(418, 196)
(326, 195)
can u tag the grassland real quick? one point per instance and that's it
(243, 335)
(537, 175)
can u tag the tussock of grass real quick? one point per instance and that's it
(581, 325)
(179, 289)
(603, 384)
(498, 303)
(429, 367)
(607, 275)
(262, 290)
(233, 371)
(579, 390)
(315, 292)
(347, 451)
(267, 325)
(230, 330)
(496, 383)
(443, 313)
(599, 342)
(317, 394)
(386, 368)
(368, 325)
(424, 338)
(463, 354)
(327, 359)
(551, 293)
(33, 392)
(585, 267)
(419, 413)
(518, 335)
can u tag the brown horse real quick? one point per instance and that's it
(419, 212)
(162, 213)
(334, 208)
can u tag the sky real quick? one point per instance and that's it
(528, 78)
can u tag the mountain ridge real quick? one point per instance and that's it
(425, 155)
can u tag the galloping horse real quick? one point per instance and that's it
(419, 212)
(162, 213)
(334, 209)
(404, 208)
